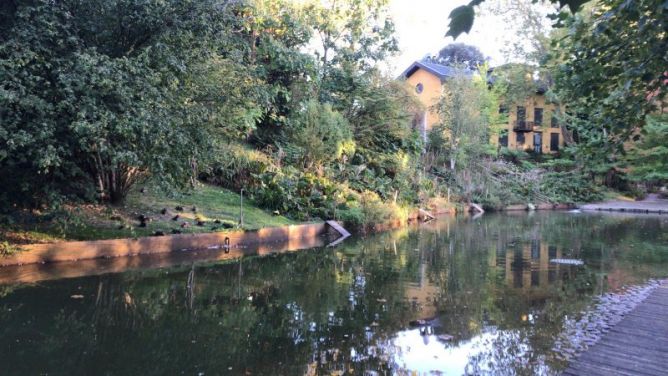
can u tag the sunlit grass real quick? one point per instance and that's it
(92, 222)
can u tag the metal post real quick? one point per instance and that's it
(241, 210)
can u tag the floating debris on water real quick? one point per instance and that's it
(567, 261)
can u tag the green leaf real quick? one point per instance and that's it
(574, 5)
(461, 21)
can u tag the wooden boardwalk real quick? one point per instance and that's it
(637, 345)
(652, 204)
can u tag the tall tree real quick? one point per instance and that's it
(466, 109)
(460, 54)
(648, 157)
(355, 35)
(469, 116)
(97, 95)
(529, 27)
(612, 75)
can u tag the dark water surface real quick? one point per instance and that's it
(493, 302)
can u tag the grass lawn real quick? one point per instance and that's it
(205, 209)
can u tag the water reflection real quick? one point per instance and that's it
(455, 296)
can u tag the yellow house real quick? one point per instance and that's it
(427, 80)
(531, 126)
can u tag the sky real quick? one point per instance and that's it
(421, 26)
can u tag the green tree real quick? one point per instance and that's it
(98, 95)
(469, 117)
(457, 54)
(465, 109)
(648, 157)
(355, 35)
(318, 135)
(612, 76)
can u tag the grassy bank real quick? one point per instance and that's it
(206, 208)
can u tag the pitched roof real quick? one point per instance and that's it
(441, 71)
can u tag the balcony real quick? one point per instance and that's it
(523, 126)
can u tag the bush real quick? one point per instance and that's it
(569, 187)
(317, 135)
(376, 211)
(235, 167)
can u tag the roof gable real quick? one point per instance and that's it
(441, 71)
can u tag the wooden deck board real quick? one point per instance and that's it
(637, 345)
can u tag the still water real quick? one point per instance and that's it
(490, 299)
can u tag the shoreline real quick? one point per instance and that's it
(650, 205)
(66, 259)
(289, 236)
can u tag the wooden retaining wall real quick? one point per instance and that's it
(263, 240)
(301, 239)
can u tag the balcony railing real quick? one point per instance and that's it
(523, 126)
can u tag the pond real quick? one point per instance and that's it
(450, 297)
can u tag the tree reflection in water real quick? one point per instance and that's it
(486, 283)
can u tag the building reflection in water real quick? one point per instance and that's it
(527, 266)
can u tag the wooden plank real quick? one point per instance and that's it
(336, 226)
(624, 359)
(477, 207)
(637, 345)
(642, 329)
(585, 367)
(425, 215)
(635, 351)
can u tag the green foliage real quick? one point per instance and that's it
(460, 54)
(460, 143)
(648, 157)
(612, 76)
(464, 131)
(98, 95)
(317, 135)
(570, 187)
(461, 20)
(7, 249)
(236, 166)
(515, 83)
(381, 117)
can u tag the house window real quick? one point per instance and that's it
(503, 109)
(554, 141)
(520, 137)
(538, 142)
(503, 140)
(535, 249)
(521, 113)
(538, 116)
(554, 123)
(552, 252)
(419, 88)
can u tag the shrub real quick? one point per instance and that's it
(318, 135)
(235, 167)
(569, 187)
